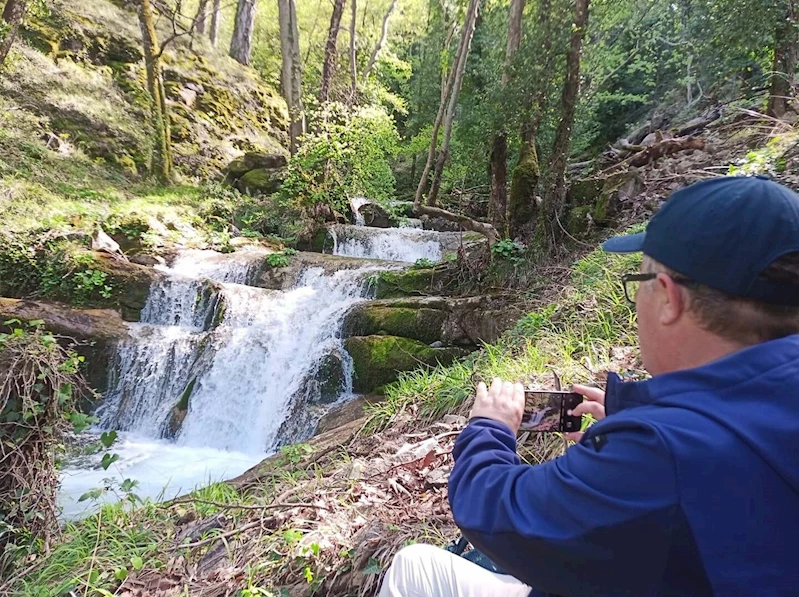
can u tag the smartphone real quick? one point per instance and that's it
(547, 412)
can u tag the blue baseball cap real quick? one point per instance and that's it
(723, 233)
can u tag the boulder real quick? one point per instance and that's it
(330, 378)
(377, 216)
(439, 224)
(378, 360)
(346, 413)
(253, 161)
(422, 324)
(261, 181)
(283, 278)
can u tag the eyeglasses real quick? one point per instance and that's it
(630, 282)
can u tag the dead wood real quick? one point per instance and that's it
(665, 148)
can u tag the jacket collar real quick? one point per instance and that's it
(716, 375)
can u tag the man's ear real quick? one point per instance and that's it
(671, 301)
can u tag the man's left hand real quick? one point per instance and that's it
(503, 402)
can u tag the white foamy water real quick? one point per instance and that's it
(243, 355)
(393, 244)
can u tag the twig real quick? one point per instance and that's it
(224, 535)
(247, 506)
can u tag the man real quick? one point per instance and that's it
(690, 485)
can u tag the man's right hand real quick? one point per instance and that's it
(594, 404)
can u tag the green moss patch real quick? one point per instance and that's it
(420, 324)
(378, 360)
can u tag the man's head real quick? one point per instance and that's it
(722, 259)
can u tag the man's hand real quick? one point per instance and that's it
(504, 403)
(594, 404)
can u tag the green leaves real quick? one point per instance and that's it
(136, 562)
(92, 494)
(372, 567)
(107, 438)
(108, 460)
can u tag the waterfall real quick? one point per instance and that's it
(393, 244)
(242, 358)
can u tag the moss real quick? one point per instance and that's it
(418, 324)
(524, 180)
(378, 360)
(586, 192)
(578, 221)
(264, 181)
(405, 283)
(183, 403)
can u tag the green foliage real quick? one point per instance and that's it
(509, 250)
(346, 155)
(423, 263)
(295, 453)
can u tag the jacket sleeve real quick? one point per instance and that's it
(595, 521)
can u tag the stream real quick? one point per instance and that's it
(242, 359)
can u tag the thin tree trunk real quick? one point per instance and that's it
(785, 56)
(13, 14)
(331, 52)
(522, 202)
(381, 42)
(447, 116)
(162, 150)
(549, 226)
(353, 64)
(241, 44)
(291, 72)
(216, 15)
(200, 17)
(498, 162)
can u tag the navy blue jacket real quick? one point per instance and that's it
(690, 486)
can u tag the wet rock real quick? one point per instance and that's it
(378, 360)
(421, 324)
(330, 378)
(439, 224)
(377, 216)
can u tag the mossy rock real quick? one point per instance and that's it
(579, 220)
(330, 378)
(130, 284)
(522, 206)
(378, 360)
(261, 181)
(586, 191)
(178, 413)
(424, 325)
(253, 160)
(407, 283)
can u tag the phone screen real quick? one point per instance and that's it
(546, 412)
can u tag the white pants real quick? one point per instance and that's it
(426, 571)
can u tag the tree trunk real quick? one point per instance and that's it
(498, 163)
(13, 13)
(785, 56)
(522, 202)
(381, 42)
(162, 146)
(291, 72)
(216, 14)
(549, 229)
(331, 52)
(200, 17)
(353, 64)
(446, 115)
(241, 44)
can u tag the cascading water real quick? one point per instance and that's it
(239, 357)
(392, 244)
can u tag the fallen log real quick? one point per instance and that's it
(697, 124)
(664, 148)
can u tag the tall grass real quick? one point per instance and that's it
(574, 337)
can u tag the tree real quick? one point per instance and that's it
(446, 116)
(498, 165)
(159, 117)
(353, 63)
(381, 42)
(13, 14)
(291, 72)
(241, 43)
(785, 56)
(331, 51)
(213, 32)
(549, 226)
(522, 203)
(201, 16)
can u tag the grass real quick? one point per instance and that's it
(574, 336)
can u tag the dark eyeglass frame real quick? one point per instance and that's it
(688, 282)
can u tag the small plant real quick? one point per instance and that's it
(509, 250)
(423, 263)
(277, 260)
(296, 452)
(90, 281)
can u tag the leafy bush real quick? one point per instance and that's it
(347, 155)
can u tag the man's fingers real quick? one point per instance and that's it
(482, 392)
(574, 437)
(507, 391)
(589, 408)
(593, 394)
(518, 393)
(496, 388)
